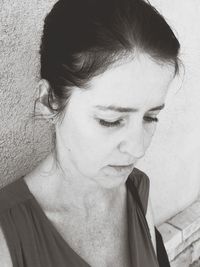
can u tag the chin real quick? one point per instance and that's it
(112, 182)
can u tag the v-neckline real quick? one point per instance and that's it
(58, 234)
(130, 189)
(53, 228)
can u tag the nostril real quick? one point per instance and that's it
(133, 148)
(140, 154)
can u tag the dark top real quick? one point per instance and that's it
(33, 241)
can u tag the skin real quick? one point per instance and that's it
(111, 123)
(93, 135)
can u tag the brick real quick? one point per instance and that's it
(188, 221)
(196, 251)
(183, 260)
(195, 264)
(184, 245)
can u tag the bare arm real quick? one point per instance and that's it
(150, 220)
(5, 259)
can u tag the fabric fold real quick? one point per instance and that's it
(33, 241)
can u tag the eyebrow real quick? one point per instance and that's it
(126, 109)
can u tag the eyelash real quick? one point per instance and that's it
(118, 122)
(150, 119)
(109, 123)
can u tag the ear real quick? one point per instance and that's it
(43, 91)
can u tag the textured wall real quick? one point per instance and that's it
(22, 143)
(172, 162)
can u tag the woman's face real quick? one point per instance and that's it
(108, 127)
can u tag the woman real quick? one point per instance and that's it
(106, 67)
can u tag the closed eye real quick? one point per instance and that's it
(150, 119)
(110, 123)
(104, 123)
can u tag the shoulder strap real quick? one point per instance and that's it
(161, 252)
(135, 194)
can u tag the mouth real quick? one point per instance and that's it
(122, 169)
(122, 166)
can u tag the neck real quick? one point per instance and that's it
(71, 193)
(88, 198)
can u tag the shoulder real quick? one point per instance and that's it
(140, 178)
(142, 183)
(4, 252)
(13, 194)
(6, 202)
(150, 221)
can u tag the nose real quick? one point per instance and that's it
(133, 143)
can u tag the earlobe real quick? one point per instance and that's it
(43, 93)
(43, 89)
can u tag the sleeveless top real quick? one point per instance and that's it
(33, 241)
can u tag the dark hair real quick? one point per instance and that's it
(83, 38)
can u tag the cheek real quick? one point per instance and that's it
(148, 134)
(89, 147)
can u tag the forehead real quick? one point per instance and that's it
(133, 83)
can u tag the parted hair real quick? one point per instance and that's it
(83, 38)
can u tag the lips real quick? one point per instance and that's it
(120, 169)
(122, 165)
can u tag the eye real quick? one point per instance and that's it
(110, 123)
(150, 119)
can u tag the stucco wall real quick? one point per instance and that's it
(172, 162)
(22, 143)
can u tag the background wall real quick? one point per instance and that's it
(172, 162)
(22, 143)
